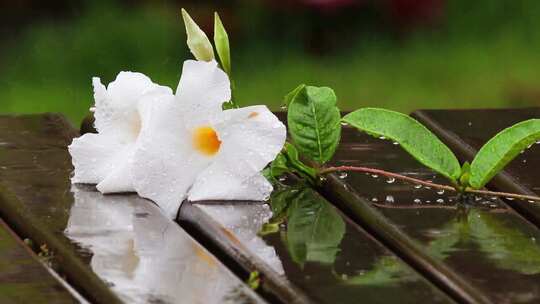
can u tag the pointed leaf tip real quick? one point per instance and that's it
(197, 41)
(221, 41)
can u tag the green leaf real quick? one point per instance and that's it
(501, 149)
(292, 94)
(197, 41)
(221, 41)
(314, 122)
(294, 162)
(314, 229)
(415, 138)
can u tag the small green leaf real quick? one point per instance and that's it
(197, 41)
(292, 94)
(296, 164)
(415, 138)
(221, 41)
(465, 174)
(314, 229)
(254, 280)
(314, 122)
(501, 149)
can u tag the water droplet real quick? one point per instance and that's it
(428, 201)
(417, 201)
(344, 124)
(470, 123)
(530, 201)
(524, 161)
(343, 175)
(395, 143)
(382, 137)
(374, 199)
(390, 180)
(417, 186)
(374, 175)
(533, 239)
(389, 199)
(283, 107)
(510, 198)
(440, 200)
(440, 192)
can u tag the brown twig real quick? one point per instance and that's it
(425, 183)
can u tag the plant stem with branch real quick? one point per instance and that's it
(425, 183)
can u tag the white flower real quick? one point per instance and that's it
(170, 147)
(190, 147)
(105, 158)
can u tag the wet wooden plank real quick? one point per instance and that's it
(466, 131)
(310, 252)
(111, 248)
(479, 253)
(23, 278)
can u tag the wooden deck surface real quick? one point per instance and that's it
(356, 238)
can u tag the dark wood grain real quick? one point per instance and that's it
(23, 278)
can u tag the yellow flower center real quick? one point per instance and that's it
(206, 141)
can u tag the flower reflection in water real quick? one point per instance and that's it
(144, 256)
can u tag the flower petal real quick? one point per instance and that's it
(91, 157)
(202, 90)
(251, 138)
(116, 107)
(165, 163)
(120, 178)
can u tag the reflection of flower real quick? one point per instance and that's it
(104, 158)
(146, 258)
(168, 147)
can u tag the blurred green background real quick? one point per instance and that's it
(399, 54)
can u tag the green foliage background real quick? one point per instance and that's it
(485, 54)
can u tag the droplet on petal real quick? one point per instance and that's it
(206, 141)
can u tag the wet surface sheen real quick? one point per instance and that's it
(485, 242)
(318, 250)
(22, 278)
(143, 256)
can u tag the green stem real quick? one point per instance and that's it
(425, 183)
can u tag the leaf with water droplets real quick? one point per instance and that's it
(412, 136)
(314, 122)
(501, 149)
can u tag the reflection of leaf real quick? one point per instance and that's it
(447, 238)
(387, 270)
(314, 229)
(509, 248)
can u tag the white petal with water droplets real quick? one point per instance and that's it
(251, 138)
(94, 157)
(116, 106)
(202, 90)
(165, 163)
